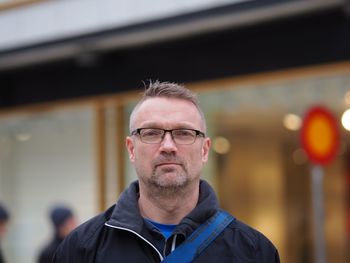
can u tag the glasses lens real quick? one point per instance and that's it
(184, 136)
(151, 135)
(180, 136)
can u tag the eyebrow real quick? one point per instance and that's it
(161, 126)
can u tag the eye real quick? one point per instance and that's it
(151, 132)
(184, 133)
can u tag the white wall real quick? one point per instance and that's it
(56, 164)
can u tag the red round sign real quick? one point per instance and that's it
(320, 135)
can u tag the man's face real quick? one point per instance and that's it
(167, 164)
(2, 228)
(67, 227)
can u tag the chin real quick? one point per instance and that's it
(170, 180)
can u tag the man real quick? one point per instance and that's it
(4, 218)
(156, 214)
(63, 222)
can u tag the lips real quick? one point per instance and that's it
(164, 164)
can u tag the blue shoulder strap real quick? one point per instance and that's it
(200, 238)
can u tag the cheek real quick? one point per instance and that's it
(143, 156)
(195, 158)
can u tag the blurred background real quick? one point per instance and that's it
(71, 71)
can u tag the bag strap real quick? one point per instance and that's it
(200, 238)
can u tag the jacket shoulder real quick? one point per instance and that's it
(253, 242)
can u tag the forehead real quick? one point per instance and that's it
(167, 111)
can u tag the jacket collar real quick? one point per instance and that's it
(126, 213)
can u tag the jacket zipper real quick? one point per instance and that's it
(173, 245)
(129, 230)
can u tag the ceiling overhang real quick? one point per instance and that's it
(206, 21)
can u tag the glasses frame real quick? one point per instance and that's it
(139, 130)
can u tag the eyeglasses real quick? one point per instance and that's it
(156, 135)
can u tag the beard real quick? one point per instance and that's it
(170, 176)
(166, 180)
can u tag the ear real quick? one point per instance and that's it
(205, 149)
(130, 146)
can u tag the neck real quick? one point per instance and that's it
(169, 207)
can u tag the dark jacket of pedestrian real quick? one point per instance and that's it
(4, 218)
(1, 257)
(61, 219)
(48, 252)
(122, 235)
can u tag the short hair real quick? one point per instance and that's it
(59, 215)
(173, 90)
(4, 214)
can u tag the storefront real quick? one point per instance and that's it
(63, 124)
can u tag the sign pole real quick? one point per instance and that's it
(317, 175)
(320, 140)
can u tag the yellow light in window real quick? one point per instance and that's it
(221, 145)
(292, 122)
(345, 120)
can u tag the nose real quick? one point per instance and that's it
(168, 144)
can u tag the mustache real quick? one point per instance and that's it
(167, 158)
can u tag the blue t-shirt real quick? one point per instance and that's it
(165, 229)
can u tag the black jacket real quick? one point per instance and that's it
(121, 235)
(2, 260)
(47, 253)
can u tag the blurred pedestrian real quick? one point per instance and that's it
(64, 222)
(4, 218)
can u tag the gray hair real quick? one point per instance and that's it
(173, 90)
